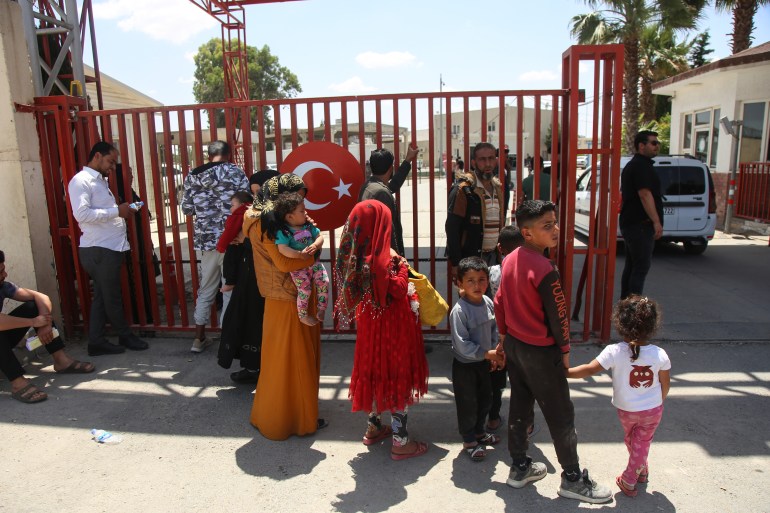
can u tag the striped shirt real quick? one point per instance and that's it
(491, 221)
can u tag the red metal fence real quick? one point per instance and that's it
(163, 144)
(753, 194)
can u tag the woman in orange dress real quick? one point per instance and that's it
(286, 398)
(390, 371)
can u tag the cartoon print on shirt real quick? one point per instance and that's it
(641, 376)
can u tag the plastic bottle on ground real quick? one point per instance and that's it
(105, 437)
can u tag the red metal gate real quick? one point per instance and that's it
(163, 144)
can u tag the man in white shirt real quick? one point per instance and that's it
(102, 244)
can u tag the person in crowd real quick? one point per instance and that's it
(390, 371)
(475, 211)
(544, 185)
(641, 212)
(296, 237)
(641, 378)
(207, 192)
(140, 224)
(533, 321)
(384, 183)
(474, 337)
(34, 312)
(286, 398)
(230, 242)
(241, 337)
(510, 238)
(103, 244)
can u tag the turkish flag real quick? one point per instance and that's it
(333, 178)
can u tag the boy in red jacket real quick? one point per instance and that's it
(533, 322)
(239, 202)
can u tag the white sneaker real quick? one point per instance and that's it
(584, 489)
(535, 471)
(199, 345)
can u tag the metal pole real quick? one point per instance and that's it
(733, 172)
(440, 125)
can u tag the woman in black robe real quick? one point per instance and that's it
(242, 324)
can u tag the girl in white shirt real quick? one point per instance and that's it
(640, 382)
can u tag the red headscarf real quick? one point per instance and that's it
(363, 261)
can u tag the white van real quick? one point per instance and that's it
(689, 201)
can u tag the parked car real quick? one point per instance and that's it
(689, 201)
(581, 161)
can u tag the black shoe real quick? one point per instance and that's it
(245, 376)
(133, 343)
(322, 423)
(104, 347)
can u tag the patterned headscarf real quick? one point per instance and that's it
(264, 203)
(363, 262)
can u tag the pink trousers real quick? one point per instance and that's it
(639, 427)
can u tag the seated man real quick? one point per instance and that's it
(34, 312)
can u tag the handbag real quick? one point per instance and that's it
(433, 307)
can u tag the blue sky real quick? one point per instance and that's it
(340, 47)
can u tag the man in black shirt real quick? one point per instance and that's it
(641, 216)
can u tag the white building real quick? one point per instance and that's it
(736, 87)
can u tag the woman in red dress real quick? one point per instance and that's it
(390, 371)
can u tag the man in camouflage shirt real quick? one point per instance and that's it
(207, 192)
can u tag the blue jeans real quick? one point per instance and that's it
(639, 240)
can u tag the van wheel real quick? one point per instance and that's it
(695, 248)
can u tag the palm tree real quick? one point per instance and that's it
(623, 21)
(660, 56)
(743, 19)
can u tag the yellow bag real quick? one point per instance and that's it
(433, 307)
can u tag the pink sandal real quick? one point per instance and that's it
(384, 433)
(631, 492)
(421, 449)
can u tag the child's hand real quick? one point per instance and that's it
(310, 250)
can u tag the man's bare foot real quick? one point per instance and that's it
(308, 320)
(226, 288)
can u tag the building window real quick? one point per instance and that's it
(491, 126)
(714, 137)
(754, 124)
(687, 142)
(700, 136)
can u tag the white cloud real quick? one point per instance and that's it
(538, 76)
(170, 20)
(352, 85)
(183, 80)
(190, 56)
(374, 60)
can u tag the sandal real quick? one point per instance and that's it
(384, 432)
(77, 367)
(421, 449)
(489, 439)
(30, 394)
(643, 477)
(477, 453)
(631, 492)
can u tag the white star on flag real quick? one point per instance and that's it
(343, 189)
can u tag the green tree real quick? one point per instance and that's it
(660, 56)
(700, 50)
(268, 80)
(743, 20)
(623, 21)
